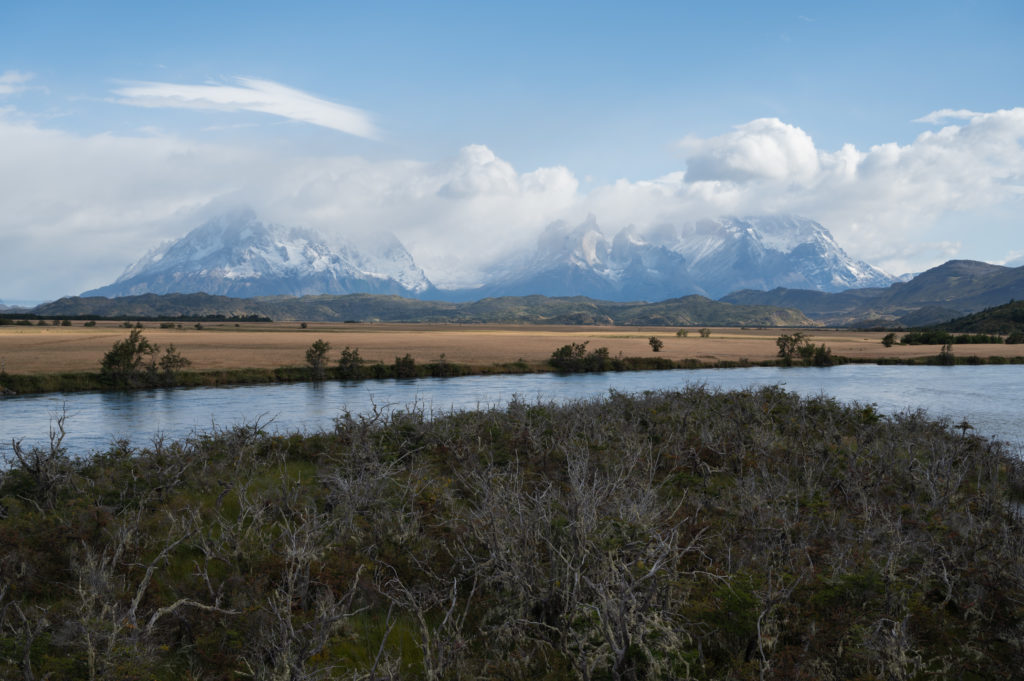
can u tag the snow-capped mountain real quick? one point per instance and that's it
(764, 252)
(583, 261)
(238, 255)
(708, 257)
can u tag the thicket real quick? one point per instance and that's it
(694, 534)
(945, 338)
(792, 346)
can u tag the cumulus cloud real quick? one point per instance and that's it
(765, 148)
(251, 94)
(78, 209)
(14, 81)
(879, 201)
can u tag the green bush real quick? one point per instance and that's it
(316, 358)
(574, 358)
(350, 364)
(405, 367)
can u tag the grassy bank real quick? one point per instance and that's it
(23, 384)
(695, 534)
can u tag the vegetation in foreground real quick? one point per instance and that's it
(695, 534)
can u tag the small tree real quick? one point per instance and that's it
(349, 364)
(946, 354)
(889, 340)
(172, 362)
(123, 365)
(705, 333)
(682, 333)
(656, 343)
(316, 358)
(405, 367)
(788, 346)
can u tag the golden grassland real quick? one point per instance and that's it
(227, 345)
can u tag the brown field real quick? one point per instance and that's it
(41, 350)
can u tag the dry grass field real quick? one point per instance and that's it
(49, 349)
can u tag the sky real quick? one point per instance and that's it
(465, 128)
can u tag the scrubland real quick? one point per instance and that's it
(695, 534)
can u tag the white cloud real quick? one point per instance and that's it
(943, 115)
(252, 94)
(879, 202)
(78, 209)
(764, 148)
(14, 81)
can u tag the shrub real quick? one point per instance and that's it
(350, 364)
(316, 358)
(574, 358)
(66, 322)
(889, 339)
(789, 345)
(946, 354)
(682, 333)
(172, 362)
(405, 367)
(656, 343)
(705, 333)
(123, 366)
(91, 322)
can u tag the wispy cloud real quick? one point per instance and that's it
(14, 81)
(943, 115)
(251, 94)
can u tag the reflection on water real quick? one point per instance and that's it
(989, 397)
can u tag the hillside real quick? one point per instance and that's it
(950, 290)
(696, 534)
(368, 307)
(1003, 319)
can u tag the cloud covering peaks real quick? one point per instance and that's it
(251, 94)
(107, 198)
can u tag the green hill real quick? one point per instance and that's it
(1004, 319)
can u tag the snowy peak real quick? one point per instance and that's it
(763, 252)
(236, 254)
(708, 257)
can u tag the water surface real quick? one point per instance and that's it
(989, 397)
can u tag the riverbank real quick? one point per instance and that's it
(15, 384)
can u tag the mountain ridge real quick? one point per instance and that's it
(952, 289)
(689, 310)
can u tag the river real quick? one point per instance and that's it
(989, 397)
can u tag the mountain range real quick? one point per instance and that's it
(708, 257)
(238, 255)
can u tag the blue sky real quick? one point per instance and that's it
(126, 123)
